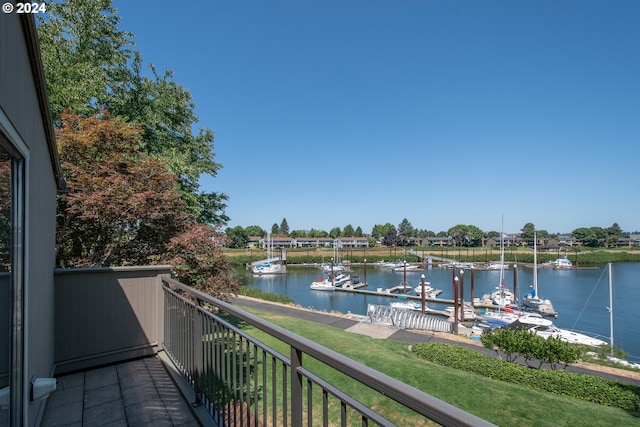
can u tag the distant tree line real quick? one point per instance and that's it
(402, 235)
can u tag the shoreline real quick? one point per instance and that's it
(453, 339)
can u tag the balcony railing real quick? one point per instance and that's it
(110, 315)
(242, 381)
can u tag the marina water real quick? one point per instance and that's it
(580, 296)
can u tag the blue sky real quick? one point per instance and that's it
(336, 112)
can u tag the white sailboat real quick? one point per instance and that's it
(532, 298)
(501, 296)
(335, 266)
(269, 265)
(545, 328)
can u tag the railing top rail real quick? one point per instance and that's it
(110, 269)
(423, 403)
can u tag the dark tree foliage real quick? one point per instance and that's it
(123, 207)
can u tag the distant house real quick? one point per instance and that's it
(30, 179)
(352, 242)
(314, 242)
(279, 242)
(438, 241)
(568, 241)
(491, 242)
(632, 241)
(254, 241)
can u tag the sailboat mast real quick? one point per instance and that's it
(535, 264)
(502, 254)
(611, 307)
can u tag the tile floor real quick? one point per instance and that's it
(135, 393)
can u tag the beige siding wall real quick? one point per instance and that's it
(105, 315)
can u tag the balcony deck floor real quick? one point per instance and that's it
(134, 393)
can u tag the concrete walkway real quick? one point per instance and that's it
(135, 393)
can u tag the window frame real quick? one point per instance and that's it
(14, 145)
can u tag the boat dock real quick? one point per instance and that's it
(360, 288)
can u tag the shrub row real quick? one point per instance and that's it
(266, 296)
(532, 347)
(580, 386)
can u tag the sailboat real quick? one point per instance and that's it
(269, 265)
(335, 266)
(502, 296)
(532, 299)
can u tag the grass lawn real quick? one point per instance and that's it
(501, 403)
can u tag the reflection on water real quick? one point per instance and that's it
(581, 297)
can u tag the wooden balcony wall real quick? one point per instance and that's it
(107, 315)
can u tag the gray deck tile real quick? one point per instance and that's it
(100, 377)
(134, 393)
(108, 412)
(99, 396)
(69, 414)
(141, 393)
(147, 413)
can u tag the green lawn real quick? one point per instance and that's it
(501, 403)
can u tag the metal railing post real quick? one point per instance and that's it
(296, 387)
(198, 365)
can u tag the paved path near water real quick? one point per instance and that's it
(354, 324)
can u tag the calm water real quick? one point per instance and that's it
(580, 297)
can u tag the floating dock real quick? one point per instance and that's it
(360, 288)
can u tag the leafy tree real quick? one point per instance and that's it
(317, 233)
(122, 207)
(84, 55)
(425, 233)
(284, 227)
(348, 231)
(166, 112)
(255, 230)
(391, 237)
(527, 232)
(613, 234)
(465, 235)
(358, 232)
(298, 233)
(592, 237)
(335, 232)
(238, 237)
(198, 260)
(90, 68)
(405, 231)
(275, 229)
(379, 231)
